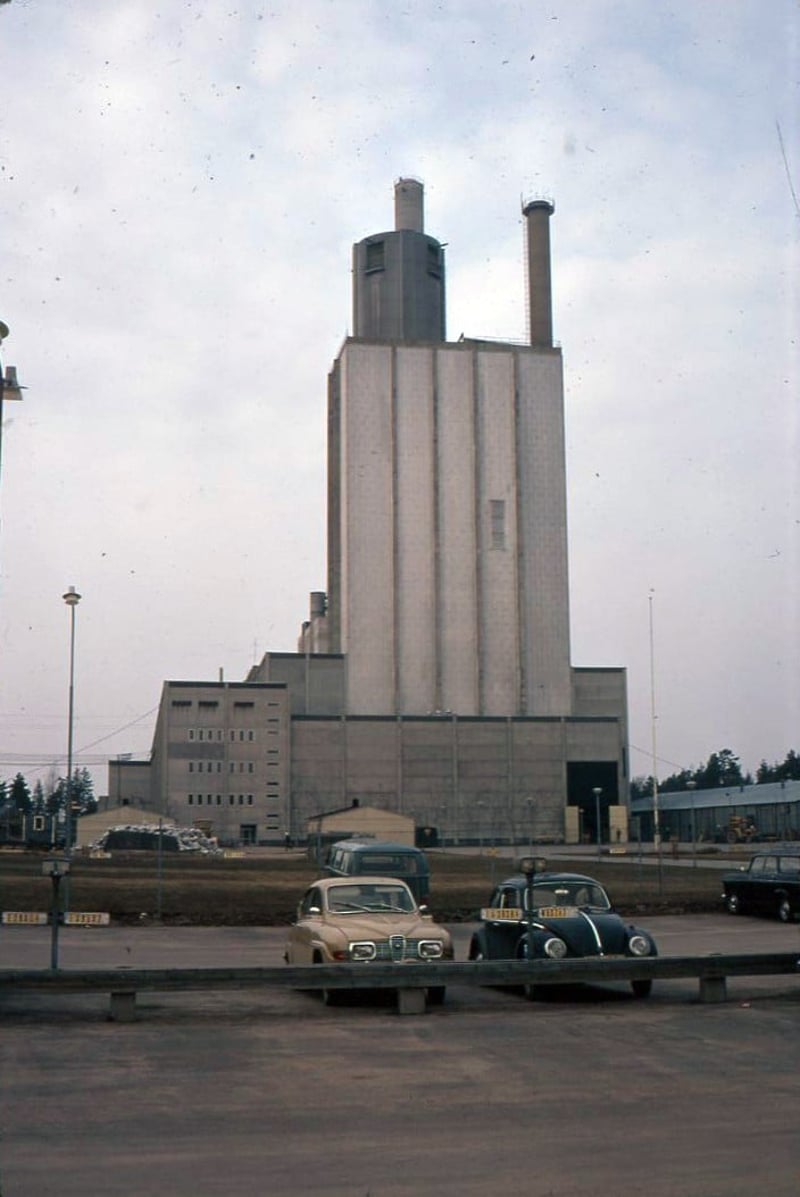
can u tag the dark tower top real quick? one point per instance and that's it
(398, 277)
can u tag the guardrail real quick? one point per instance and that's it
(410, 980)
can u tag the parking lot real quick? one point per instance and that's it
(579, 1093)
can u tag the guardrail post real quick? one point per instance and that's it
(713, 989)
(123, 1006)
(411, 1001)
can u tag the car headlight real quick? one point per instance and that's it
(430, 949)
(639, 945)
(362, 951)
(555, 948)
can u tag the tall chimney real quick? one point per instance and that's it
(408, 206)
(537, 215)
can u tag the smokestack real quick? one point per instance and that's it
(408, 206)
(537, 215)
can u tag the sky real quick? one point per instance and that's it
(180, 188)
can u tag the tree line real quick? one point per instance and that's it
(722, 768)
(17, 797)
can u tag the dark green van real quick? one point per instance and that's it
(354, 858)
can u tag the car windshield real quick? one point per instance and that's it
(583, 894)
(380, 898)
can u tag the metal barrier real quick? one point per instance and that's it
(410, 980)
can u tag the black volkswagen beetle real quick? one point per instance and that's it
(572, 916)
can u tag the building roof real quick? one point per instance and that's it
(722, 797)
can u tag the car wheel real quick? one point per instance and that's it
(732, 904)
(475, 952)
(785, 910)
(530, 991)
(641, 989)
(436, 995)
(330, 997)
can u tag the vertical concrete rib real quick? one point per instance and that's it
(523, 631)
(437, 535)
(478, 499)
(396, 631)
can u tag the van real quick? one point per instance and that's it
(354, 858)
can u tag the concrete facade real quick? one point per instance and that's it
(449, 544)
(221, 759)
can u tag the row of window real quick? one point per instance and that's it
(216, 799)
(216, 766)
(216, 733)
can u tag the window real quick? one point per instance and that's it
(249, 799)
(434, 260)
(249, 766)
(181, 702)
(191, 733)
(251, 735)
(219, 799)
(497, 515)
(375, 256)
(191, 800)
(231, 767)
(207, 704)
(191, 766)
(249, 705)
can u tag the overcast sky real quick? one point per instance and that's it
(180, 188)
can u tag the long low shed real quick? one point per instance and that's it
(410, 980)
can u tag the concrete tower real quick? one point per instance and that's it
(398, 277)
(448, 587)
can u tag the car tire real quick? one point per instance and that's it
(784, 910)
(642, 989)
(732, 904)
(475, 952)
(528, 991)
(330, 997)
(436, 995)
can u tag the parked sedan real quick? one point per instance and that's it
(357, 921)
(571, 916)
(769, 885)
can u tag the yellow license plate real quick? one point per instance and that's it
(498, 914)
(558, 912)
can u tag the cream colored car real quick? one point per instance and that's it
(359, 920)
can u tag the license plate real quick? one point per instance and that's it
(558, 912)
(498, 914)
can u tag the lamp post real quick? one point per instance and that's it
(71, 598)
(691, 787)
(55, 867)
(597, 791)
(9, 387)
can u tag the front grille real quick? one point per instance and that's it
(397, 948)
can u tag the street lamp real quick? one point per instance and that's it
(71, 598)
(55, 867)
(597, 791)
(530, 866)
(9, 387)
(691, 787)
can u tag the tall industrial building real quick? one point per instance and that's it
(433, 676)
(447, 542)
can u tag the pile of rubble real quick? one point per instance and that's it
(131, 837)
